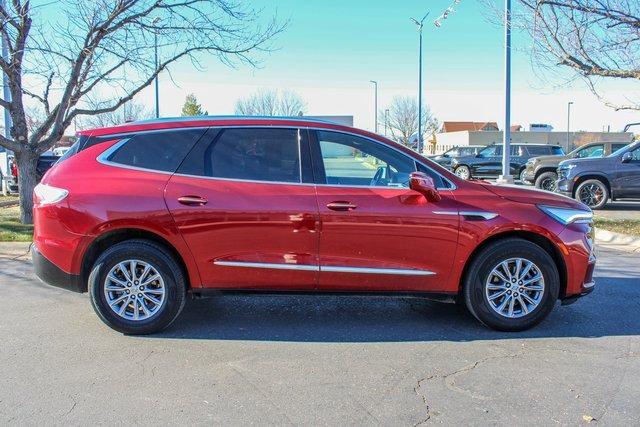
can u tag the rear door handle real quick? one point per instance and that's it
(341, 206)
(192, 200)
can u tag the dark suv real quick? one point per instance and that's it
(488, 162)
(541, 171)
(445, 158)
(594, 181)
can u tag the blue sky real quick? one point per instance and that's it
(331, 49)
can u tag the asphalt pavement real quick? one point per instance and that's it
(320, 360)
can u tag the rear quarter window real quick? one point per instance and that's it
(161, 151)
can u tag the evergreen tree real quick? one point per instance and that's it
(191, 107)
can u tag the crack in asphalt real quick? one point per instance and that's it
(449, 381)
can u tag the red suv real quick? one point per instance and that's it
(144, 214)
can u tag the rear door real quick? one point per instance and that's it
(377, 234)
(245, 204)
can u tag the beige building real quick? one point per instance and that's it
(447, 140)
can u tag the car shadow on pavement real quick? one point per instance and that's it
(608, 311)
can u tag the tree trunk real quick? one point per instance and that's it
(27, 162)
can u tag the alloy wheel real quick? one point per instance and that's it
(134, 290)
(591, 194)
(514, 287)
(463, 172)
(548, 184)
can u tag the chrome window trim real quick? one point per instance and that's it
(127, 135)
(322, 268)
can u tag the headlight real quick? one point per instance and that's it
(47, 195)
(567, 216)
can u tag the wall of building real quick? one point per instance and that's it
(445, 141)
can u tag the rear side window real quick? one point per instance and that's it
(161, 151)
(557, 151)
(616, 147)
(255, 154)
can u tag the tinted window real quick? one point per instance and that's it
(557, 151)
(537, 150)
(590, 151)
(162, 151)
(491, 151)
(616, 147)
(352, 160)
(635, 155)
(257, 154)
(468, 151)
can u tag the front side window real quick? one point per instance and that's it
(254, 154)
(635, 155)
(589, 151)
(352, 160)
(491, 151)
(160, 151)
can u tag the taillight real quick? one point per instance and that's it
(46, 194)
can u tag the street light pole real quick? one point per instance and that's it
(157, 87)
(420, 25)
(506, 142)
(569, 104)
(375, 83)
(7, 97)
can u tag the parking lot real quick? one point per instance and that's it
(319, 360)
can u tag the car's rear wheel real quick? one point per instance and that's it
(593, 193)
(463, 172)
(547, 181)
(137, 287)
(511, 285)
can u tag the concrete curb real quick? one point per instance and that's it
(617, 240)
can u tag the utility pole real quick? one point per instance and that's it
(375, 84)
(157, 87)
(420, 25)
(569, 104)
(506, 177)
(7, 116)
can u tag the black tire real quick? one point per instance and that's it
(462, 172)
(547, 181)
(602, 190)
(478, 273)
(166, 266)
(521, 175)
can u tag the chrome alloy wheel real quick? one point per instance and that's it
(134, 290)
(515, 287)
(591, 194)
(463, 172)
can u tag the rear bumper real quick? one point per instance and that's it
(49, 273)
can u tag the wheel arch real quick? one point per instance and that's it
(544, 169)
(110, 238)
(544, 242)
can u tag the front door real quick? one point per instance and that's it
(240, 201)
(626, 182)
(376, 233)
(489, 162)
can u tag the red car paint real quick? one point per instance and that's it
(280, 223)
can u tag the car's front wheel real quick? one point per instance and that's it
(137, 287)
(547, 181)
(511, 285)
(593, 193)
(463, 172)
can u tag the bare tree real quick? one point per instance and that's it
(129, 112)
(271, 103)
(403, 119)
(596, 39)
(106, 46)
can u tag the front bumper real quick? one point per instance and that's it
(51, 274)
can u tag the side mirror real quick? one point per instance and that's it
(423, 184)
(626, 157)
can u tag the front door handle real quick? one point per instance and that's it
(341, 206)
(192, 200)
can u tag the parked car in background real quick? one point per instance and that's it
(445, 158)
(542, 171)
(488, 162)
(144, 214)
(595, 181)
(45, 162)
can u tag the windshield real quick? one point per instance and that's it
(625, 149)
